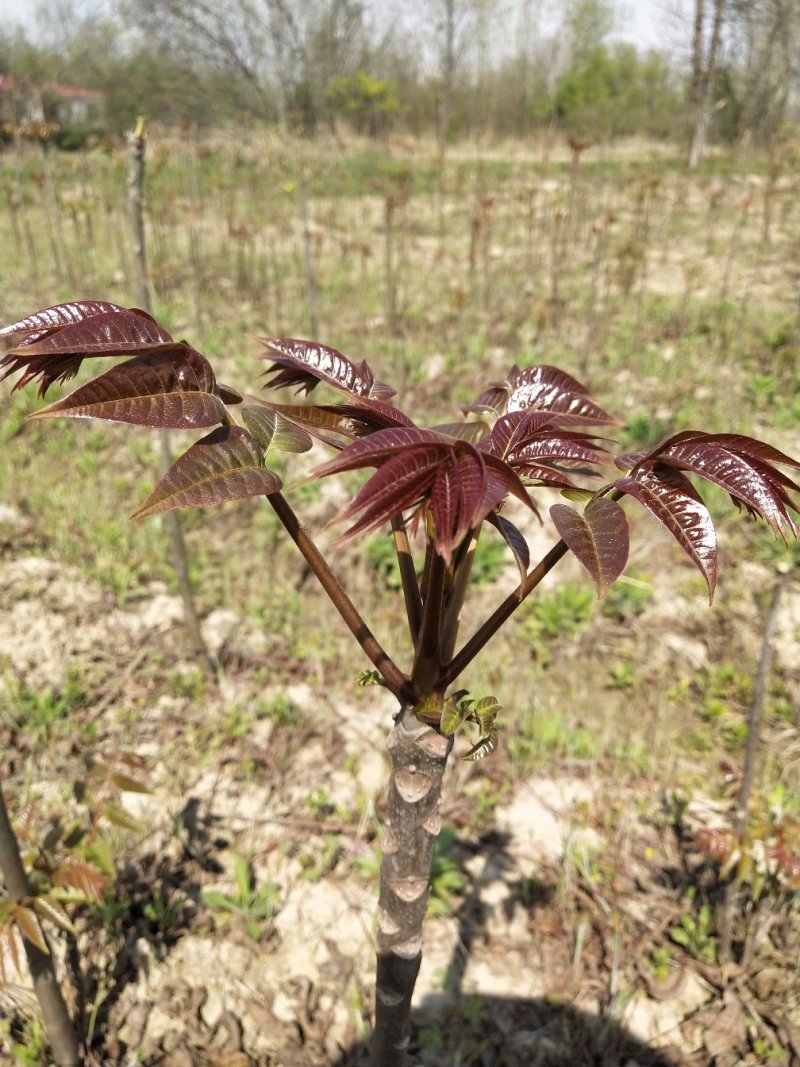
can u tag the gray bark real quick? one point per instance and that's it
(60, 1030)
(180, 558)
(704, 69)
(418, 755)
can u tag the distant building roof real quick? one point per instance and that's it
(63, 92)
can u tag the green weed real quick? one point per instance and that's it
(254, 906)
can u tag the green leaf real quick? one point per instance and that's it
(228, 464)
(483, 747)
(128, 784)
(241, 871)
(50, 908)
(213, 898)
(118, 816)
(453, 715)
(272, 430)
(485, 712)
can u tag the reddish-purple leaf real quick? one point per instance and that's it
(598, 537)
(742, 466)
(338, 424)
(229, 395)
(228, 464)
(474, 432)
(495, 397)
(399, 484)
(83, 877)
(57, 354)
(458, 498)
(28, 925)
(380, 446)
(673, 500)
(125, 330)
(33, 327)
(515, 541)
(305, 363)
(272, 430)
(547, 388)
(541, 387)
(452, 482)
(172, 389)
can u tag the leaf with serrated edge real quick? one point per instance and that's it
(740, 465)
(304, 363)
(672, 499)
(34, 327)
(272, 430)
(28, 925)
(599, 538)
(85, 878)
(486, 711)
(172, 389)
(483, 747)
(54, 911)
(453, 715)
(226, 465)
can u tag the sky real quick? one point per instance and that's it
(646, 23)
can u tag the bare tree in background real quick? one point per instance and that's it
(284, 51)
(453, 25)
(706, 42)
(767, 34)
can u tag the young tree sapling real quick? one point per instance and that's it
(439, 486)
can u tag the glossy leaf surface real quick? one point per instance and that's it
(272, 430)
(598, 536)
(33, 327)
(305, 363)
(228, 464)
(57, 354)
(673, 500)
(543, 388)
(339, 424)
(742, 466)
(515, 541)
(543, 447)
(173, 389)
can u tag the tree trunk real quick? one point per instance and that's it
(704, 70)
(58, 1025)
(418, 755)
(137, 141)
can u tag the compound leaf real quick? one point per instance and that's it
(742, 466)
(84, 878)
(673, 500)
(56, 354)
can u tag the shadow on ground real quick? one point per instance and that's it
(509, 1032)
(454, 1027)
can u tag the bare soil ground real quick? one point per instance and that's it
(547, 953)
